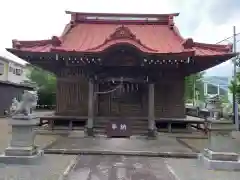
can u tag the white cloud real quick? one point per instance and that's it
(30, 20)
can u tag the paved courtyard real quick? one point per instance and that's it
(114, 167)
(161, 145)
(143, 168)
(120, 167)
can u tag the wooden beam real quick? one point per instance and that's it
(125, 79)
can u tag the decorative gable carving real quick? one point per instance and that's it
(122, 32)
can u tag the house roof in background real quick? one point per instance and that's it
(7, 56)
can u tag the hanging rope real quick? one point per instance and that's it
(112, 90)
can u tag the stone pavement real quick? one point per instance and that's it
(218, 143)
(51, 167)
(120, 168)
(197, 145)
(163, 146)
(95, 167)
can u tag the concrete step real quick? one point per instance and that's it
(133, 129)
(103, 131)
(132, 124)
(137, 123)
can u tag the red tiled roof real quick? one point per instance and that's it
(151, 34)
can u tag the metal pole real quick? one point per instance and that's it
(218, 89)
(194, 91)
(235, 103)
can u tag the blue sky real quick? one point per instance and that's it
(204, 20)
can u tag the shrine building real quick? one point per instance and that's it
(121, 66)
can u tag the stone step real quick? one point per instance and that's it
(132, 127)
(132, 121)
(143, 123)
(134, 132)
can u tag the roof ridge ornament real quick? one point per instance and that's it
(188, 43)
(56, 41)
(16, 44)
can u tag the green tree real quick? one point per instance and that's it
(235, 87)
(46, 85)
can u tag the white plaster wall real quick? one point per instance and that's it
(3, 77)
(26, 72)
(12, 76)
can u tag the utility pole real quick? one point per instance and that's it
(194, 91)
(235, 102)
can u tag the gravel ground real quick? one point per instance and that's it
(51, 167)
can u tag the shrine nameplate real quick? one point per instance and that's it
(119, 128)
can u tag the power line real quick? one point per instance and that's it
(227, 38)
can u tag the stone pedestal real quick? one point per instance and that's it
(236, 135)
(221, 154)
(220, 160)
(21, 148)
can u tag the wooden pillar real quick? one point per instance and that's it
(96, 99)
(151, 111)
(90, 108)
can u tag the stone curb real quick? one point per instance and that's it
(180, 141)
(47, 132)
(189, 155)
(69, 168)
(186, 137)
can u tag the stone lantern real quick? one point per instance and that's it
(213, 104)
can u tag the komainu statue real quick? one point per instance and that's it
(26, 105)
